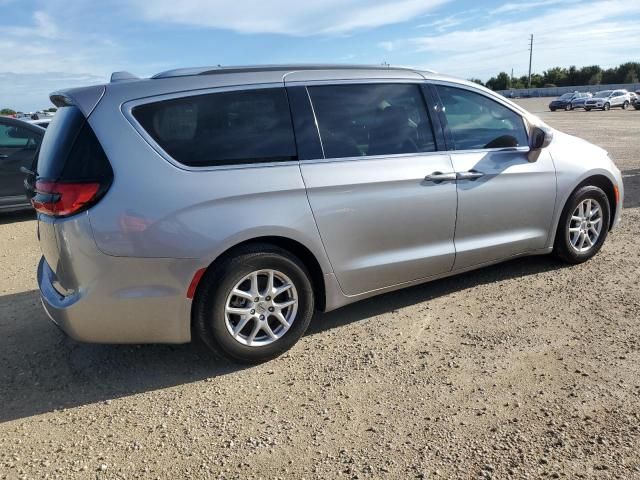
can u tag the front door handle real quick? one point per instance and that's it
(3, 156)
(470, 175)
(438, 177)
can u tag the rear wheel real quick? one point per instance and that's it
(552, 109)
(254, 305)
(568, 107)
(587, 109)
(583, 225)
(625, 105)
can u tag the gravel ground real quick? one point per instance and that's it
(528, 369)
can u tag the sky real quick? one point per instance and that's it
(47, 45)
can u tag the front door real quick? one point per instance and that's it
(505, 202)
(381, 221)
(18, 146)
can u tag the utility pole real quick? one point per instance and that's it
(511, 80)
(530, 58)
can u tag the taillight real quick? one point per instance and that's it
(64, 199)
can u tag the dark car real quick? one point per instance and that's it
(635, 100)
(19, 142)
(564, 102)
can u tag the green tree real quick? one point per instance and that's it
(556, 76)
(7, 111)
(51, 109)
(476, 80)
(501, 82)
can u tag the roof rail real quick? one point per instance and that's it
(122, 77)
(182, 72)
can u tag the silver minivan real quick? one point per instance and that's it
(231, 203)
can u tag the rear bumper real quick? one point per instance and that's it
(129, 301)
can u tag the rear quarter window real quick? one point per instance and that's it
(225, 128)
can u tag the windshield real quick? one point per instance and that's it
(603, 94)
(566, 96)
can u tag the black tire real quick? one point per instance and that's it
(587, 109)
(552, 109)
(625, 105)
(568, 107)
(637, 106)
(209, 318)
(562, 246)
(606, 107)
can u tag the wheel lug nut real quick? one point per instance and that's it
(257, 299)
(268, 298)
(261, 317)
(271, 309)
(252, 312)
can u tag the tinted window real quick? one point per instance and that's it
(16, 137)
(356, 120)
(475, 121)
(70, 149)
(225, 128)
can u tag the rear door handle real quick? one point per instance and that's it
(2, 156)
(438, 177)
(470, 175)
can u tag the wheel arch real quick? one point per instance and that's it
(597, 180)
(302, 252)
(604, 183)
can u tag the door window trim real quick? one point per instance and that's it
(128, 107)
(445, 126)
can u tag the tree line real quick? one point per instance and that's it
(566, 77)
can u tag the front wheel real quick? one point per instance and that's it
(254, 305)
(607, 107)
(587, 109)
(552, 109)
(568, 107)
(625, 105)
(583, 225)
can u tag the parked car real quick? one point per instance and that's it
(41, 122)
(608, 99)
(581, 100)
(19, 142)
(564, 102)
(635, 100)
(230, 203)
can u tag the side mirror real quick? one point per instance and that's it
(540, 138)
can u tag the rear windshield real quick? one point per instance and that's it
(226, 128)
(70, 150)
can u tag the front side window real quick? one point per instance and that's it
(372, 119)
(226, 128)
(478, 122)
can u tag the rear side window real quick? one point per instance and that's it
(227, 128)
(477, 122)
(70, 150)
(372, 119)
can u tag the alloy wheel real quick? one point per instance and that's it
(261, 308)
(585, 225)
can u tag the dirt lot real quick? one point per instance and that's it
(529, 369)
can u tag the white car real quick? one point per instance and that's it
(42, 122)
(608, 99)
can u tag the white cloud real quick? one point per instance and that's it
(601, 33)
(522, 6)
(289, 17)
